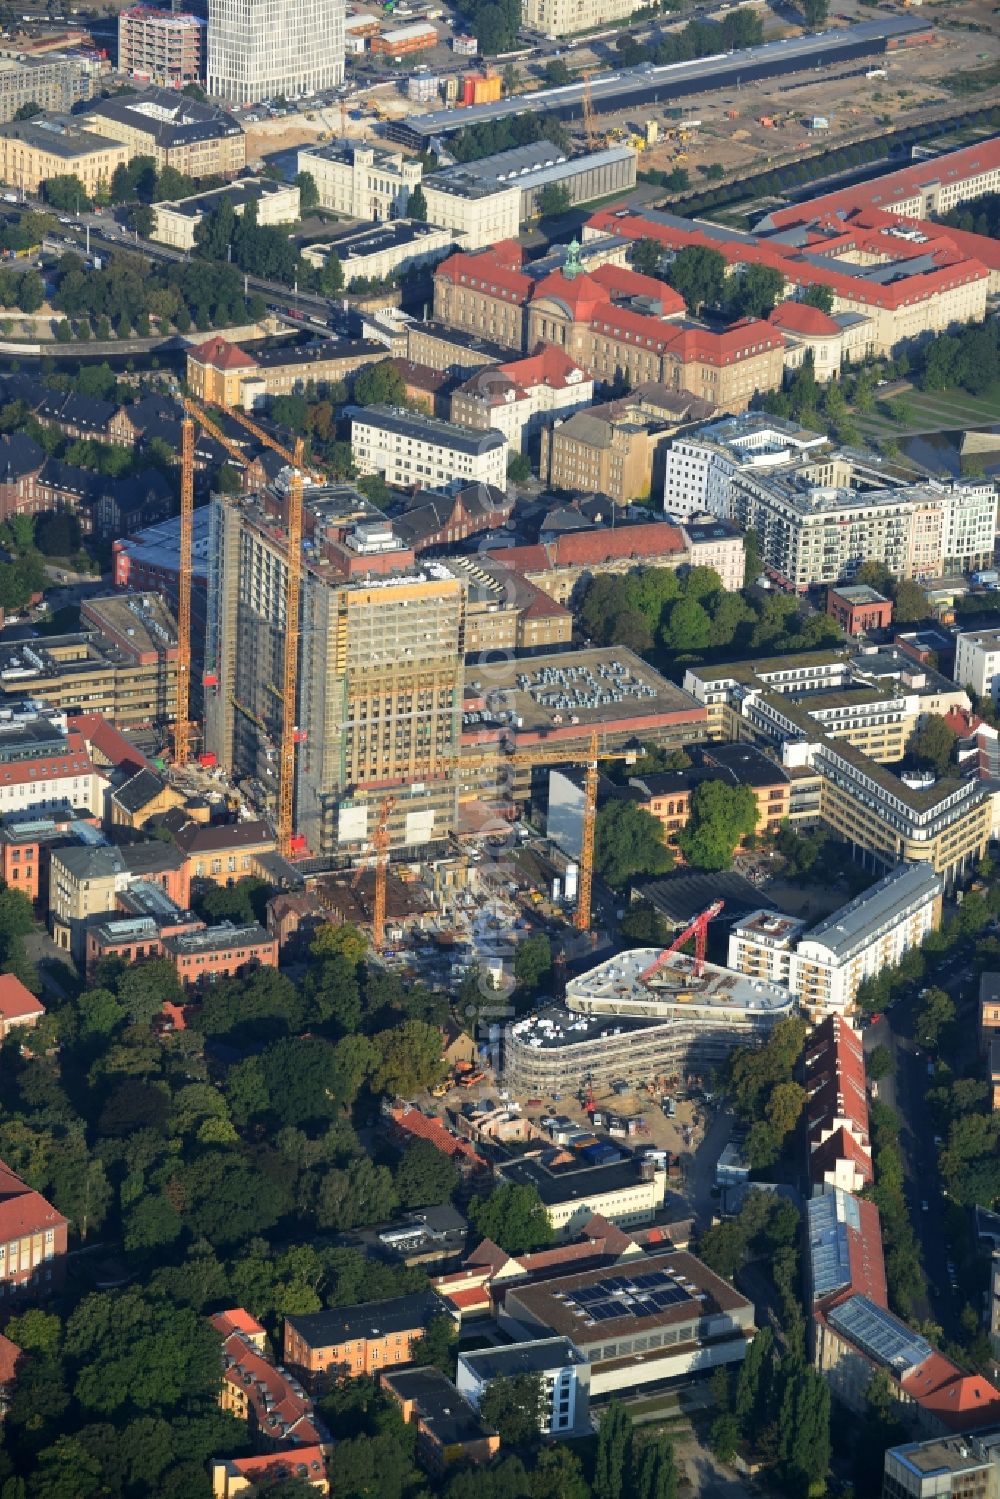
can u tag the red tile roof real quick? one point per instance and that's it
(840, 1146)
(17, 1002)
(618, 278)
(581, 294)
(959, 1401)
(835, 1079)
(222, 355)
(893, 187)
(9, 1356)
(282, 1411)
(237, 1319)
(50, 767)
(548, 365)
(301, 1462)
(487, 272)
(799, 317)
(112, 747)
(22, 1209)
(410, 1121)
(648, 540)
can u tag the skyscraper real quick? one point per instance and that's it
(258, 49)
(380, 669)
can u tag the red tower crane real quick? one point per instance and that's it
(698, 929)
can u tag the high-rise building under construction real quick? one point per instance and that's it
(380, 669)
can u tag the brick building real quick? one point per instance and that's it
(32, 1240)
(357, 1341)
(858, 609)
(222, 951)
(19, 1009)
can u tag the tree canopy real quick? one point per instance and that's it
(721, 817)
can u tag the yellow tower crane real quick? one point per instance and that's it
(293, 588)
(380, 852)
(182, 721)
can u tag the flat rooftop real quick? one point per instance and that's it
(443, 1409)
(143, 619)
(618, 982)
(535, 1357)
(561, 695)
(359, 243)
(237, 193)
(662, 1290)
(159, 546)
(858, 594)
(771, 926)
(856, 925)
(56, 137)
(941, 1456)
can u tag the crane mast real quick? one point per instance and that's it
(182, 721)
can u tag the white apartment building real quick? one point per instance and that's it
(823, 966)
(258, 49)
(818, 513)
(364, 182)
(977, 662)
(420, 452)
(563, 17)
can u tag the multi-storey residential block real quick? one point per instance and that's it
(380, 673)
(892, 281)
(479, 212)
(122, 664)
(819, 513)
(423, 452)
(55, 82)
(87, 880)
(262, 48)
(164, 47)
(361, 181)
(225, 375)
(356, 1341)
(559, 1364)
(44, 766)
(825, 964)
(30, 153)
(565, 566)
(200, 140)
(33, 1234)
(977, 662)
(947, 1467)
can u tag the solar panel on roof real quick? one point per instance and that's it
(880, 1334)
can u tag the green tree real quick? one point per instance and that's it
(557, 73)
(28, 111)
(934, 1013)
(438, 1345)
(655, 1471)
(341, 940)
(909, 603)
(932, 745)
(647, 256)
(425, 1176)
(66, 193)
(514, 1217)
(724, 1437)
(532, 962)
(379, 385)
(879, 1062)
(721, 817)
(515, 1408)
(308, 192)
(553, 200)
(416, 205)
(820, 296)
(689, 627)
(332, 275)
(409, 1058)
(129, 1351)
(614, 1453)
(756, 291)
(699, 275)
(628, 841)
(814, 13)
(518, 468)
(30, 292)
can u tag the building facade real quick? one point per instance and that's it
(380, 673)
(31, 153)
(358, 1341)
(198, 139)
(413, 451)
(825, 965)
(260, 48)
(33, 1261)
(557, 1362)
(977, 662)
(361, 181)
(164, 47)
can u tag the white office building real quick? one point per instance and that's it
(258, 49)
(420, 452)
(564, 1372)
(977, 662)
